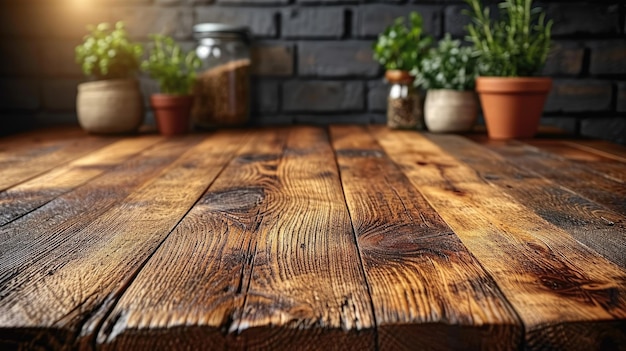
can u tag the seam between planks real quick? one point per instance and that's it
(115, 299)
(132, 157)
(356, 242)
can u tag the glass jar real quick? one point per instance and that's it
(222, 89)
(404, 104)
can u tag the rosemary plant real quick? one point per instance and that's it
(517, 45)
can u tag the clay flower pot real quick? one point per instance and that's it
(450, 111)
(113, 106)
(171, 112)
(512, 105)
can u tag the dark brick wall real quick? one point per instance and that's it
(312, 58)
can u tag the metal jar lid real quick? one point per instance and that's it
(221, 31)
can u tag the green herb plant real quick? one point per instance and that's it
(173, 68)
(447, 66)
(517, 45)
(108, 53)
(402, 47)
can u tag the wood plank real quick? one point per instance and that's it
(22, 163)
(599, 164)
(591, 224)
(428, 291)
(195, 284)
(604, 148)
(29, 238)
(567, 296)
(23, 198)
(306, 276)
(579, 178)
(75, 284)
(273, 257)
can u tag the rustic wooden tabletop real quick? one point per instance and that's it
(348, 237)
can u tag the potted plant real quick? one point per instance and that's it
(174, 70)
(448, 73)
(111, 102)
(511, 51)
(399, 49)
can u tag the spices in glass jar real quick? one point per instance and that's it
(404, 104)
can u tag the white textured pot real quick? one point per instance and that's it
(450, 111)
(110, 106)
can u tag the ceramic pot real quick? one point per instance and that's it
(172, 113)
(112, 106)
(512, 106)
(450, 111)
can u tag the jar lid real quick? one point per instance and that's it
(220, 30)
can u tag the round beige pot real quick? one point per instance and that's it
(112, 106)
(450, 111)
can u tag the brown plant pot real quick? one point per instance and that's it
(512, 106)
(171, 112)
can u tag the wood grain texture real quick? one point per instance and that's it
(271, 264)
(603, 164)
(428, 291)
(25, 197)
(603, 148)
(193, 287)
(555, 284)
(591, 224)
(72, 288)
(306, 276)
(578, 178)
(20, 163)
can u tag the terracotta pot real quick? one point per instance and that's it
(512, 105)
(172, 112)
(450, 111)
(112, 106)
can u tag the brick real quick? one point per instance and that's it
(61, 21)
(141, 21)
(337, 59)
(608, 57)
(455, 21)
(377, 94)
(271, 120)
(59, 56)
(264, 97)
(19, 94)
(371, 19)
(16, 122)
(312, 22)
(621, 97)
(261, 21)
(583, 18)
(325, 119)
(322, 96)
(182, 2)
(571, 95)
(565, 58)
(48, 119)
(272, 59)
(254, 2)
(19, 58)
(335, 2)
(566, 124)
(148, 87)
(60, 94)
(612, 129)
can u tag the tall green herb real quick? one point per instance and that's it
(173, 68)
(516, 45)
(402, 47)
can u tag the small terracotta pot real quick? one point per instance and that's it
(450, 111)
(512, 106)
(171, 112)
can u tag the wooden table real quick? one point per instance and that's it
(296, 238)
